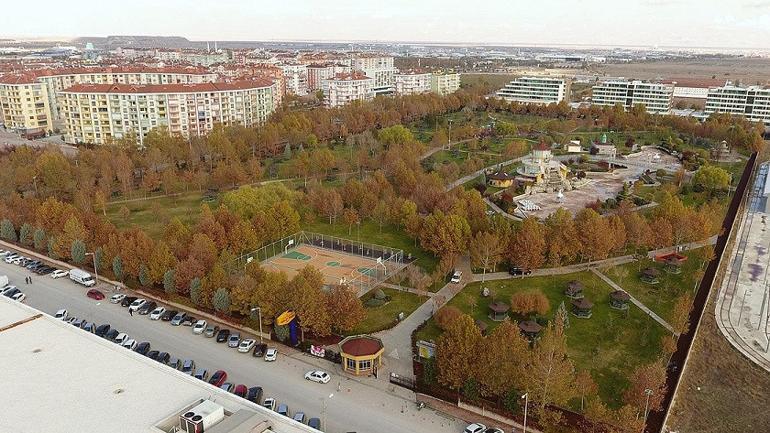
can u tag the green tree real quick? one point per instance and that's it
(221, 300)
(117, 268)
(195, 291)
(711, 178)
(38, 239)
(7, 232)
(25, 234)
(52, 248)
(78, 251)
(144, 275)
(456, 352)
(98, 259)
(169, 285)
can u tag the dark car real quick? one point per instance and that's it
(95, 294)
(128, 300)
(240, 390)
(147, 308)
(44, 270)
(177, 320)
(102, 329)
(188, 321)
(218, 378)
(254, 394)
(168, 315)
(111, 334)
(175, 363)
(223, 335)
(259, 350)
(153, 354)
(143, 347)
(515, 270)
(315, 423)
(163, 357)
(188, 366)
(31, 265)
(201, 374)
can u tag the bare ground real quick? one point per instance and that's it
(745, 69)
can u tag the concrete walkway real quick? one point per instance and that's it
(408, 290)
(561, 270)
(478, 173)
(635, 301)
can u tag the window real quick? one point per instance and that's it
(351, 364)
(365, 365)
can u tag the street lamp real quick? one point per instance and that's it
(258, 310)
(449, 144)
(96, 271)
(526, 403)
(323, 410)
(648, 393)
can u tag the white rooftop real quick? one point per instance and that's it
(57, 378)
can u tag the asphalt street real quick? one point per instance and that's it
(357, 406)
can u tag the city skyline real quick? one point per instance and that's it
(669, 23)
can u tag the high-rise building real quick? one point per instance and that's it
(100, 113)
(25, 104)
(412, 82)
(345, 88)
(316, 73)
(444, 83)
(656, 97)
(752, 102)
(379, 68)
(534, 90)
(295, 79)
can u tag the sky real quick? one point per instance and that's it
(681, 23)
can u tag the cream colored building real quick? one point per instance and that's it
(345, 88)
(100, 113)
(656, 97)
(25, 104)
(379, 68)
(444, 83)
(752, 102)
(535, 90)
(412, 83)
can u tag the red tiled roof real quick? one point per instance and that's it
(361, 346)
(169, 88)
(23, 78)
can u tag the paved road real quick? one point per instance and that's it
(8, 138)
(361, 405)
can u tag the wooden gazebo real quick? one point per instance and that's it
(530, 329)
(650, 275)
(498, 311)
(582, 308)
(619, 300)
(482, 325)
(673, 262)
(574, 290)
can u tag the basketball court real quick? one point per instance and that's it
(336, 266)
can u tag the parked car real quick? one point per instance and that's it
(188, 321)
(254, 394)
(112, 334)
(199, 326)
(89, 327)
(19, 297)
(11, 292)
(143, 347)
(315, 423)
(234, 339)
(227, 386)
(319, 376)
(147, 308)
(61, 314)
(59, 273)
(211, 331)
(201, 374)
(44, 270)
(259, 350)
(177, 320)
(121, 337)
(174, 363)
(128, 300)
(271, 354)
(157, 313)
(168, 315)
(299, 417)
(137, 304)
(515, 270)
(82, 277)
(493, 430)
(240, 390)
(475, 428)
(269, 403)
(188, 366)
(223, 335)
(153, 354)
(218, 378)
(11, 257)
(246, 345)
(71, 319)
(4, 253)
(163, 358)
(102, 330)
(129, 344)
(283, 409)
(456, 277)
(95, 294)
(117, 298)
(78, 322)
(7, 289)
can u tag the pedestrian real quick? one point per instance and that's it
(130, 312)
(30, 280)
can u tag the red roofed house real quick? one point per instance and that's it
(361, 354)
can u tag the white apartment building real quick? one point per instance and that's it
(444, 83)
(25, 104)
(316, 73)
(345, 88)
(295, 79)
(534, 90)
(379, 68)
(752, 102)
(412, 83)
(100, 113)
(656, 97)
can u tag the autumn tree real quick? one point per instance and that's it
(444, 235)
(562, 240)
(711, 178)
(456, 352)
(306, 301)
(530, 302)
(486, 251)
(502, 360)
(586, 386)
(446, 315)
(551, 374)
(527, 246)
(596, 236)
(160, 261)
(680, 315)
(350, 217)
(647, 377)
(344, 308)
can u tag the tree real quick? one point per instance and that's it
(647, 377)
(711, 178)
(446, 315)
(530, 302)
(456, 351)
(502, 360)
(78, 251)
(7, 232)
(38, 239)
(527, 246)
(350, 216)
(485, 250)
(680, 315)
(98, 259)
(144, 275)
(306, 292)
(586, 386)
(563, 315)
(562, 239)
(221, 300)
(445, 235)
(160, 261)
(25, 234)
(596, 235)
(117, 268)
(169, 285)
(196, 291)
(551, 377)
(345, 308)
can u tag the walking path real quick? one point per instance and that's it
(561, 270)
(497, 209)
(478, 173)
(408, 290)
(635, 301)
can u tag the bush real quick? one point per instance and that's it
(168, 282)
(379, 294)
(282, 332)
(530, 302)
(221, 300)
(374, 302)
(7, 231)
(446, 315)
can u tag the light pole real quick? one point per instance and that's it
(96, 271)
(648, 393)
(526, 403)
(323, 410)
(258, 310)
(449, 145)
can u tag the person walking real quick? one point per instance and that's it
(131, 312)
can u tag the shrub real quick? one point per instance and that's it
(379, 294)
(446, 315)
(221, 300)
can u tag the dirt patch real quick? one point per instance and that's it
(747, 70)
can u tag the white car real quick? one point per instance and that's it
(456, 277)
(59, 273)
(17, 260)
(271, 354)
(117, 299)
(11, 257)
(61, 314)
(156, 313)
(246, 345)
(319, 376)
(199, 327)
(7, 289)
(129, 344)
(19, 297)
(269, 403)
(4, 253)
(121, 338)
(475, 428)
(136, 305)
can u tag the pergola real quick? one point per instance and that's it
(498, 311)
(650, 275)
(619, 300)
(582, 308)
(574, 290)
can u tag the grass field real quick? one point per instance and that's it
(610, 344)
(153, 214)
(384, 316)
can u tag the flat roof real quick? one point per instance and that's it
(58, 378)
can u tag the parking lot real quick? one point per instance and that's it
(355, 406)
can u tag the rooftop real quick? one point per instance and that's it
(169, 88)
(361, 345)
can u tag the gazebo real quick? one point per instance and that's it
(650, 275)
(498, 311)
(673, 262)
(530, 329)
(482, 325)
(574, 290)
(582, 308)
(361, 354)
(619, 300)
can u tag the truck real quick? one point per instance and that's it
(82, 277)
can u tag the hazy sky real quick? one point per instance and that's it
(697, 23)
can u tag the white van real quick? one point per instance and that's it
(82, 277)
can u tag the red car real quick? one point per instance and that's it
(218, 378)
(240, 391)
(95, 294)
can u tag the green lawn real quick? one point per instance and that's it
(382, 317)
(610, 344)
(153, 214)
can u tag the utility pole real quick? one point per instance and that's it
(449, 145)
(647, 392)
(258, 310)
(526, 403)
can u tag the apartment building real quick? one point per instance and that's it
(752, 102)
(534, 90)
(656, 97)
(295, 79)
(379, 68)
(345, 88)
(444, 83)
(413, 82)
(24, 104)
(100, 113)
(316, 73)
